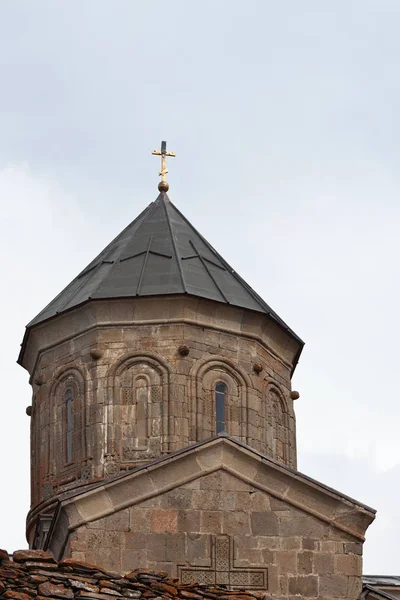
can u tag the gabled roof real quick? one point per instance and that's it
(159, 253)
(221, 452)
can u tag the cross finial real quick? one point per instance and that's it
(163, 185)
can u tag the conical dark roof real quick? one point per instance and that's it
(159, 253)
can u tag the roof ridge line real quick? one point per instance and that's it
(238, 278)
(173, 241)
(93, 262)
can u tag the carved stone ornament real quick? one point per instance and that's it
(86, 474)
(111, 464)
(294, 395)
(28, 410)
(222, 569)
(96, 353)
(257, 368)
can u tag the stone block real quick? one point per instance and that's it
(264, 523)
(126, 490)
(272, 479)
(231, 483)
(278, 504)
(286, 561)
(198, 547)
(249, 557)
(353, 548)
(334, 586)
(254, 500)
(175, 548)
(178, 499)
(188, 521)
(305, 562)
(304, 585)
(118, 521)
(213, 481)
(348, 564)
(309, 544)
(210, 521)
(303, 526)
(135, 541)
(236, 523)
(291, 543)
(140, 520)
(207, 499)
(269, 542)
(177, 470)
(157, 547)
(94, 505)
(164, 520)
(323, 563)
(133, 559)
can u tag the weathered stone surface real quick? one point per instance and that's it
(13, 595)
(55, 590)
(227, 340)
(33, 555)
(306, 586)
(81, 585)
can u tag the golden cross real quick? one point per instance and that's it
(163, 185)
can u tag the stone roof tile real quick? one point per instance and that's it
(26, 576)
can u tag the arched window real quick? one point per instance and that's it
(69, 425)
(220, 395)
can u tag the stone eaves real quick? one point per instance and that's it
(160, 253)
(219, 453)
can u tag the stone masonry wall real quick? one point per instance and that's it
(143, 389)
(219, 529)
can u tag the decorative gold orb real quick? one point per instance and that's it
(163, 186)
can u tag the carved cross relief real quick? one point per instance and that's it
(222, 569)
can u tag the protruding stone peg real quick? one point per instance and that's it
(257, 368)
(28, 410)
(96, 353)
(294, 395)
(183, 350)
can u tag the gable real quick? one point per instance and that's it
(190, 467)
(218, 529)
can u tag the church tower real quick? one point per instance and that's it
(156, 368)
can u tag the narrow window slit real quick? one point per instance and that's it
(70, 428)
(220, 395)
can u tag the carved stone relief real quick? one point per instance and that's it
(138, 411)
(222, 569)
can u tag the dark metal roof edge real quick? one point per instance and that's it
(253, 293)
(381, 577)
(35, 320)
(378, 592)
(29, 328)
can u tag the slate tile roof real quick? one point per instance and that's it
(159, 253)
(34, 574)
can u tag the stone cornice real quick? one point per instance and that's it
(184, 466)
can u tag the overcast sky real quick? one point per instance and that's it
(285, 120)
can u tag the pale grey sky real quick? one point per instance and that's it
(284, 117)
